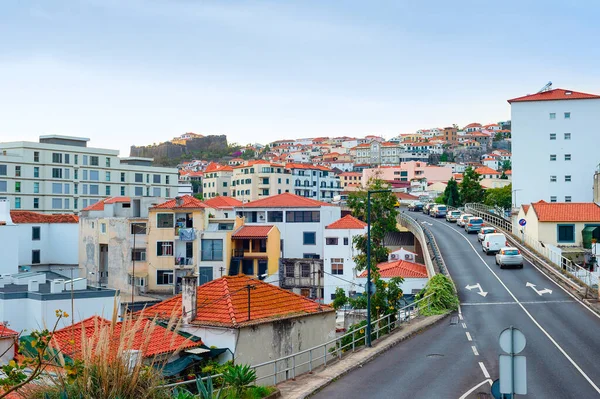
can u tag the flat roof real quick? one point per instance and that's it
(58, 136)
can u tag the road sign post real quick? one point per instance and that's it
(513, 368)
(522, 223)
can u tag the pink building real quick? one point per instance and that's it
(408, 171)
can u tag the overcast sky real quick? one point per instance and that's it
(125, 72)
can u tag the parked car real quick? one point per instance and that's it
(462, 219)
(427, 208)
(415, 206)
(438, 211)
(484, 231)
(509, 256)
(473, 224)
(452, 216)
(493, 243)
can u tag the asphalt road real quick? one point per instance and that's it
(448, 361)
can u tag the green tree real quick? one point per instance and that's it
(248, 154)
(199, 197)
(506, 165)
(444, 157)
(341, 299)
(451, 194)
(470, 189)
(498, 137)
(501, 196)
(503, 176)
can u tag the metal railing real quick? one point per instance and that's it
(288, 367)
(428, 240)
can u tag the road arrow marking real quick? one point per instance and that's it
(540, 292)
(481, 291)
(428, 224)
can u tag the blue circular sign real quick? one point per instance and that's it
(522, 222)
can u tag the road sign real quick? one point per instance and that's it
(516, 336)
(496, 391)
(522, 222)
(513, 374)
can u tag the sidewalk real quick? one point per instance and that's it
(307, 384)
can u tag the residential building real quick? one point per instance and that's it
(350, 178)
(551, 153)
(301, 222)
(414, 275)
(9, 342)
(408, 171)
(492, 163)
(9, 239)
(255, 252)
(450, 135)
(472, 127)
(316, 182)
(302, 276)
(259, 179)
(339, 252)
(60, 174)
(217, 180)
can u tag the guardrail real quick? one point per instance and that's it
(426, 239)
(287, 367)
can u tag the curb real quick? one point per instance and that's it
(380, 350)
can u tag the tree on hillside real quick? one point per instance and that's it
(451, 194)
(248, 154)
(470, 188)
(501, 196)
(498, 137)
(506, 165)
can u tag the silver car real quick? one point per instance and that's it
(463, 218)
(509, 256)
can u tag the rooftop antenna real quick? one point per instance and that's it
(546, 88)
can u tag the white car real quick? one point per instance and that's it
(483, 231)
(493, 243)
(463, 219)
(509, 256)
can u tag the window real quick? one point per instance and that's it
(567, 136)
(94, 175)
(337, 265)
(224, 184)
(3, 170)
(331, 241)
(107, 162)
(94, 160)
(107, 190)
(85, 160)
(167, 192)
(309, 238)
(36, 171)
(67, 158)
(567, 198)
(17, 202)
(138, 254)
(123, 176)
(567, 178)
(566, 233)
(35, 256)
(57, 188)
(164, 277)
(164, 220)
(36, 233)
(346, 240)
(553, 157)
(212, 250)
(107, 177)
(265, 180)
(75, 159)
(84, 174)
(139, 177)
(56, 157)
(3, 186)
(67, 203)
(67, 188)
(138, 228)
(552, 115)
(552, 179)
(85, 188)
(305, 269)
(75, 203)
(36, 203)
(302, 216)
(274, 216)
(17, 171)
(290, 270)
(567, 115)
(167, 179)
(156, 191)
(17, 187)
(567, 157)
(67, 173)
(164, 248)
(103, 228)
(94, 189)
(36, 156)
(57, 173)
(156, 179)
(553, 198)
(139, 191)
(147, 178)
(56, 203)
(122, 191)
(552, 136)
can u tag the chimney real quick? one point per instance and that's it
(33, 286)
(178, 201)
(189, 300)
(5, 212)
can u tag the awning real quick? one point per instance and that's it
(197, 351)
(177, 366)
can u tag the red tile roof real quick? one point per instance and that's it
(162, 340)
(556, 94)
(188, 202)
(347, 222)
(99, 206)
(224, 303)
(400, 268)
(285, 200)
(221, 202)
(6, 332)
(310, 166)
(25, 217)
(566, 211)
(525, 208)
(405, 196)
(252, 232)
(485, 170)
(215, 167)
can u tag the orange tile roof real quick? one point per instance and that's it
(525, 208)
(162, 340)
(245, 232)
(221, 202)
(485, 170)
(215, 167)
(473, 125)
(347, 222)
(25, 217)
(400, 268)
(351, 174)
(406, 196)
(99, 206)
(189, 202)
(6, 332)
(310, 166)
(224, 303)
(566, 211)
(285, 200)
(556, 94)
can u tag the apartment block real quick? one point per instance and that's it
(217, 180)
(313, 181)
(259, 179)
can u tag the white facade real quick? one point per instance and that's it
(9, 239)
(554, 150)
(57, 244)
(315, 182)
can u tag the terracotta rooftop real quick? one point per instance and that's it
(188, 202)
(6, 332)
(224, 303)
(553, 95)
(347, 222)
(245, 232)
(25, 217)
(221, 202)
(566, 211)
(405, 196)
(400, 268)
(99, 206)
(486, 170)
(215, 167)
(162, 340)
(285, 200)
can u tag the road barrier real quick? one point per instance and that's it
(427, 241)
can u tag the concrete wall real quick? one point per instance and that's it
(5, 345)
(57, 243)
(9, 239)
(214, 336)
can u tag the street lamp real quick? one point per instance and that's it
(514, 192)
(72, 295)
(369, 261)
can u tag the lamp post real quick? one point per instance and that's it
(514, 192)
(369, 261)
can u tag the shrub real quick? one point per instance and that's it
(238, 378)
(443, 297)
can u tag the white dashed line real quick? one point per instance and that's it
(464, 325)
(475, 351)
(469, 336)
(460, 316)
(484, 370)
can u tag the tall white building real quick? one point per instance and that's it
(554, 146)
(60, 174)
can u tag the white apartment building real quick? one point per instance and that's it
(338, 257)
(554, 155)
(259, 179)
(301, 222)
(217, 180)
(313, 181)
(60, 174)
(387, 153)
(9, 239)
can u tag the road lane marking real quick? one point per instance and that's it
(460, 314)
(464, 325)
(468, 336)
(515, 303)
(470, 391)
(484, 370)
(475, 350)
(540, 292)
(480, 292)
(565, 354)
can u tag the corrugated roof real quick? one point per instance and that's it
(554, 95)
(25, 217)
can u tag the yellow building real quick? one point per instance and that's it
(255, 251)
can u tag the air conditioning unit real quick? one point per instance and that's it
(394, 256)
(407, 256)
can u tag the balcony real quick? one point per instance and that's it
(185, 234)
(249, 253)
(183, 261)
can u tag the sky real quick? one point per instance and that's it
(125, 72)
